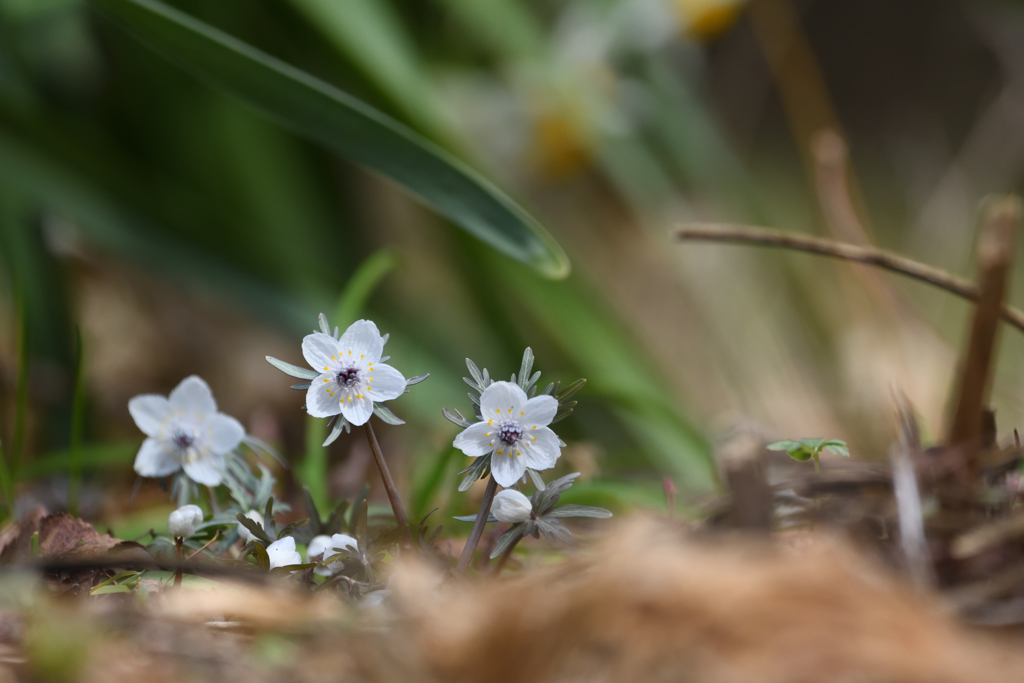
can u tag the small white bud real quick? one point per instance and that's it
(182, 522)
(244, 533)
(283, 553)
(335, 541)
(511, 507)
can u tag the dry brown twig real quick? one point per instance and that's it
(742, 234)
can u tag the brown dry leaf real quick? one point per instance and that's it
(62, 536)
(16, 536)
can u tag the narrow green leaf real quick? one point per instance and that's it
(579, 511)
(292, 370)
(359, 526)
(385, 414)
(254, 528)
(428, 485)
(507, 538)
(344, 124)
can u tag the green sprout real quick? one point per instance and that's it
(806, 449)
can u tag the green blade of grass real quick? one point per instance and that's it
(345, 125)
(429, 485)
(21, 394)
(370, 34)
(313, 472)
(362, 283)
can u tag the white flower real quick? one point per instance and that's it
(244, 533)
(182, 522)
(514, 430)
(511, 507)
(282, 553)
(184, 430)
(351, 375)
(328, 546)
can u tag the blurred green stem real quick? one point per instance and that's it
(77, 410)
(5, 482)
(389, 483)
(478, 527)
(314, 465)
(21, 398)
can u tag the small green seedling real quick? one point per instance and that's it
(806, 449)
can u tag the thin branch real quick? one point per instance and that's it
(739, 234)
(208, 544)
(389, 483)
(478, 527)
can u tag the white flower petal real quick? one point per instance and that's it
(323, 398)
(317, 546)
(149, 412)
(540, 448)
(502, 399)
(330, 543)
(507, 469)
(511, 507)
(539, 411)
(193, 395)
(282, 553)
(182, 522)
(476, 440)
(363, 340)
(155, 460)
(207, 470)
(320, 351)
(225, 433)
(357, 410)
(245, 534)
(387, 383)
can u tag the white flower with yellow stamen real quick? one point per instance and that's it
(513, 431)
(184, 431)
(351, 375)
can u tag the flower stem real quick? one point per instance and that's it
(179, 552)
(504, 556)
(478, 527)
(389, 483)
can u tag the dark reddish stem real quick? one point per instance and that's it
(389, 483)
(478, 527)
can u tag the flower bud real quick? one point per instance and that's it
(335, 541)
(182, 522)
(511, 507)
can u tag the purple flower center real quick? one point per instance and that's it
(183, 440)
(509, 432)
(347, 377)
